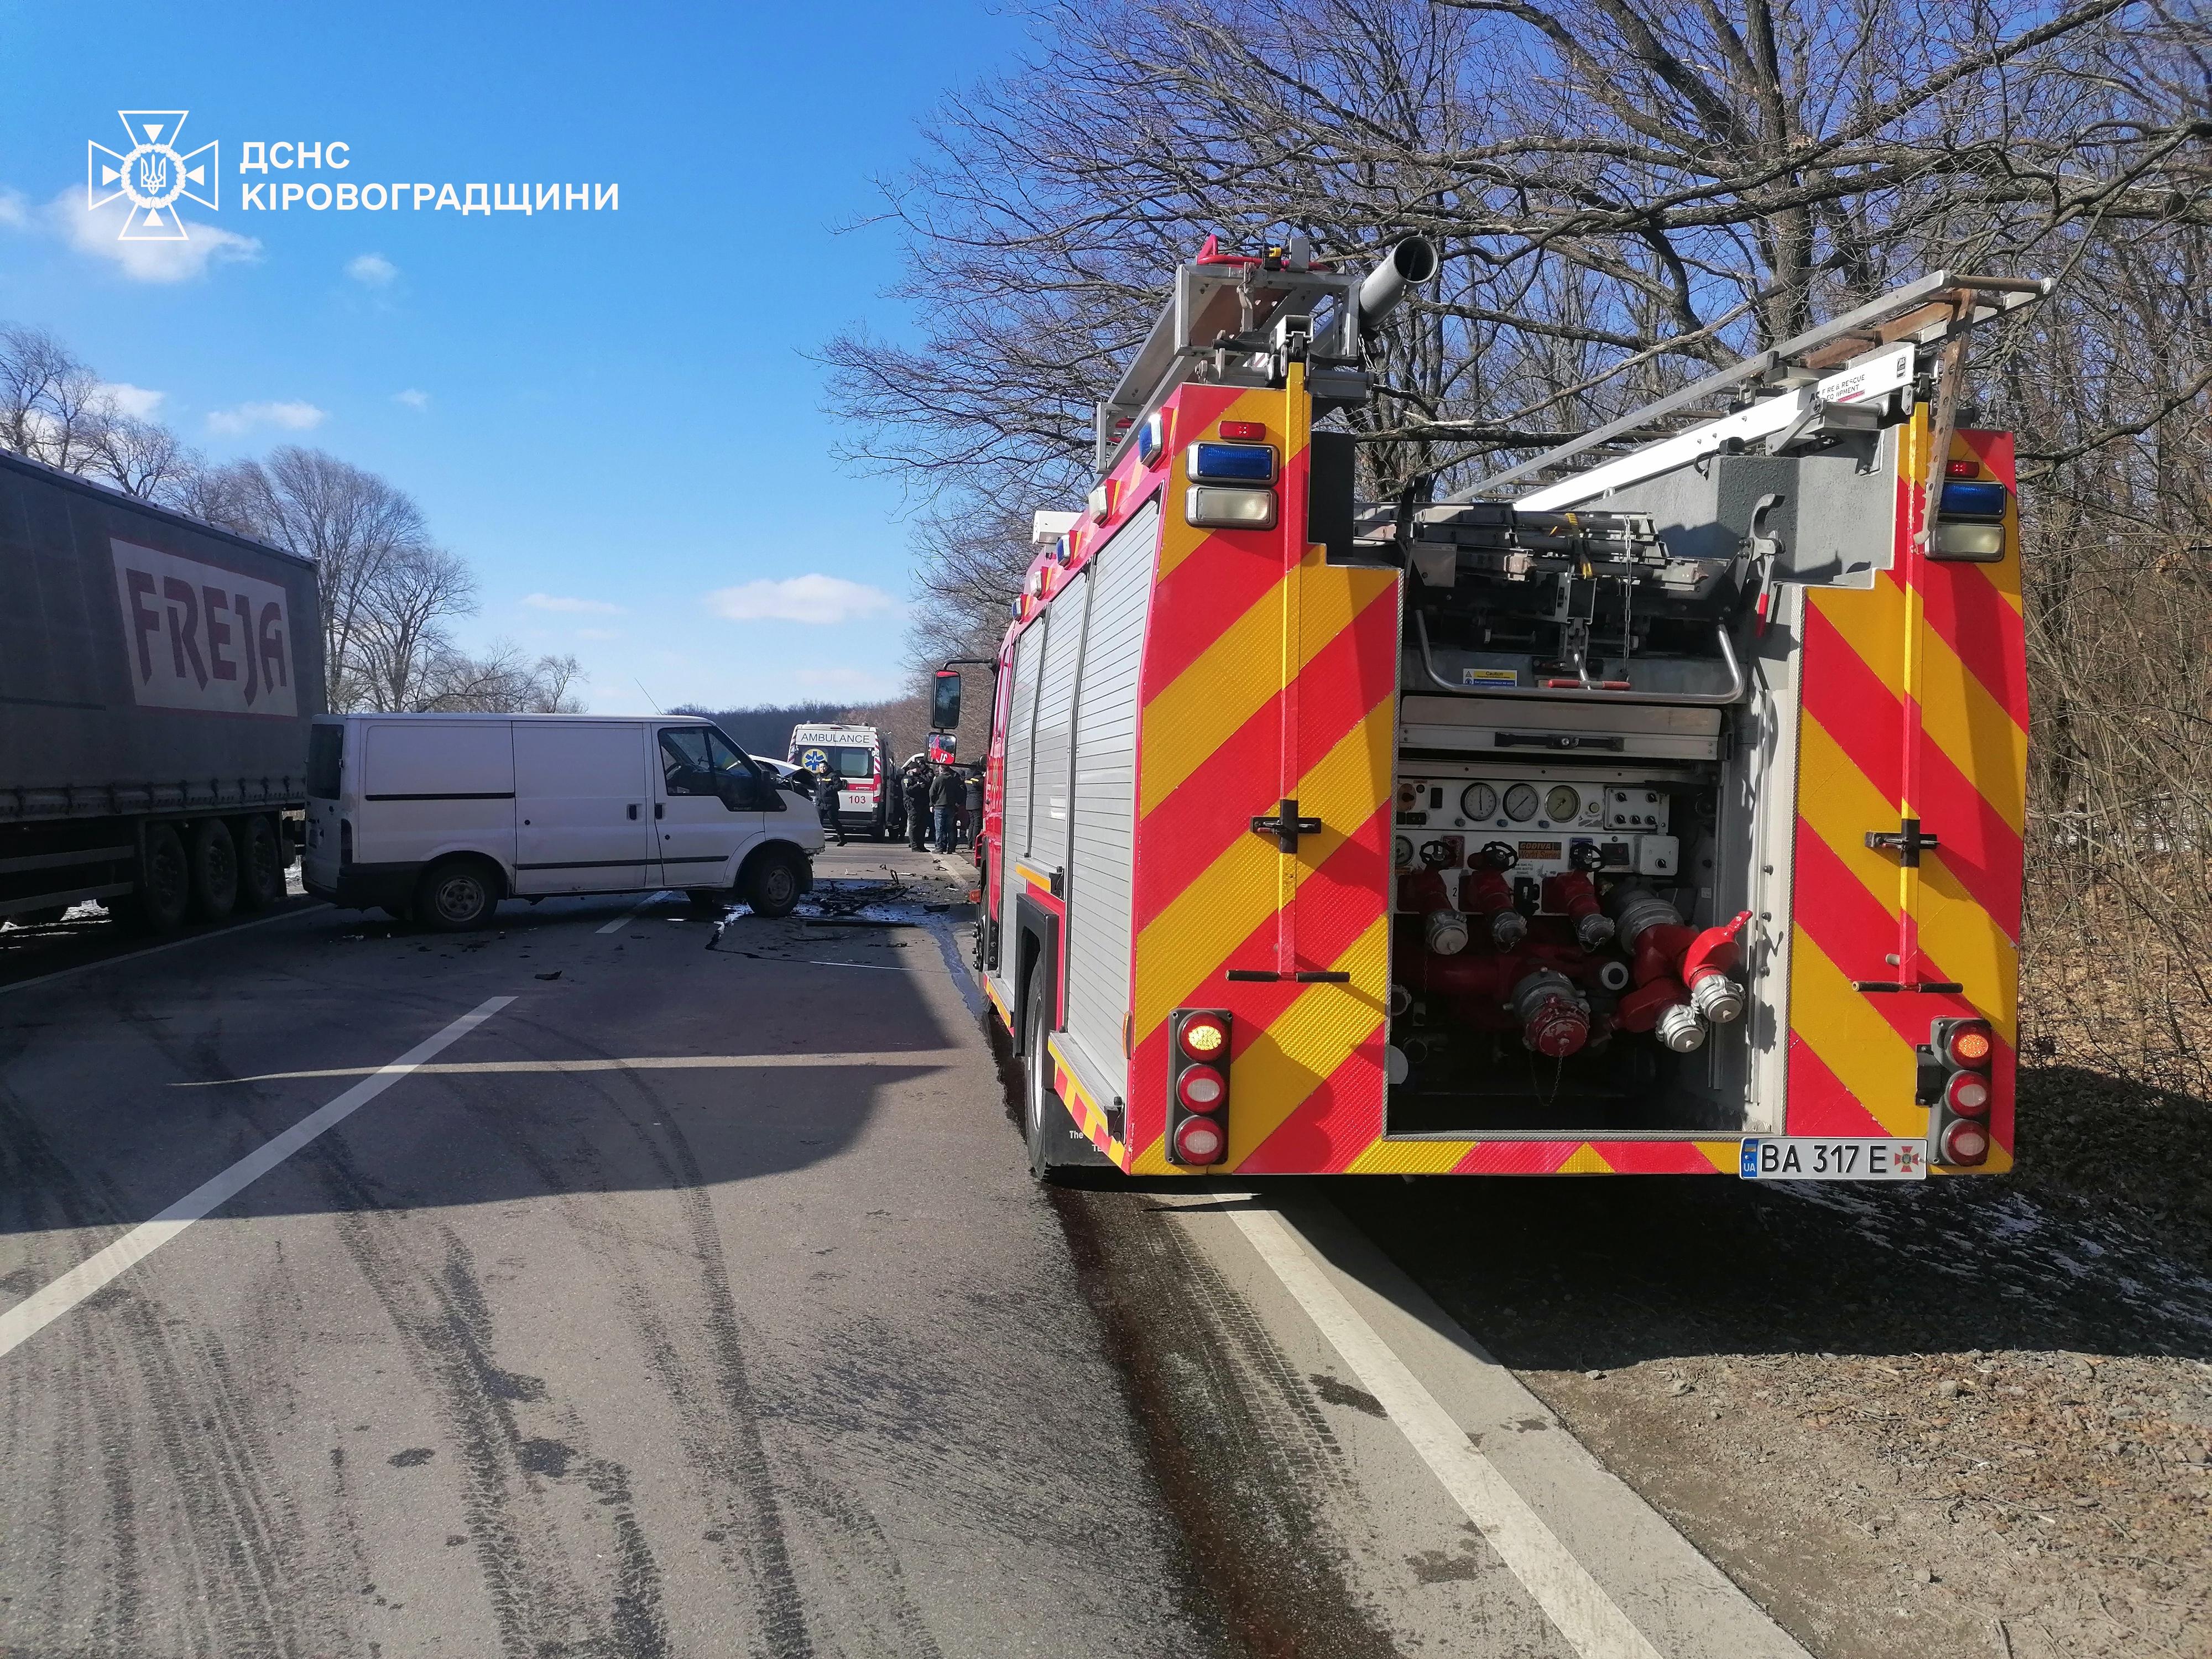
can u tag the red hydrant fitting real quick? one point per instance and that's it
(1572, 893)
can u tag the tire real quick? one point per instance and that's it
(1047, 1127)
(214, 859)
(165, 885)
(457, 895)
(773, 885)
(260, 862)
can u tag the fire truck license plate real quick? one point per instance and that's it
(1822, 1158)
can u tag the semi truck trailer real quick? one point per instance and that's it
(158, 677)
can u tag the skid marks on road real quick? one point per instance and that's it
(718, 1416)
(1221, 1402)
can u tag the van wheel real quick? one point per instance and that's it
(215, 870)
(773, 886)
(165, 885)
(260, 863)
(457, 895)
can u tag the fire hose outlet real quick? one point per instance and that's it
(1717, 997)
(1420, 890)
(1484, 891)
(1554, 1021)
(1446, 932)
(1680, 1029)
(1573, 894)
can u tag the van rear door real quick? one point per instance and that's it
(581, 796)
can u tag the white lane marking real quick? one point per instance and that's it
(632, 913)
(50, 1302)
(1593, 1625)
(872, 967)
(156, 950)
(637, 1063)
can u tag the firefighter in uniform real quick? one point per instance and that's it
(826, 791)
(916, 784)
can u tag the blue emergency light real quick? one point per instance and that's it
(1244, 464)
(1972, 500)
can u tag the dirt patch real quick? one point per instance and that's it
(1974, 1417)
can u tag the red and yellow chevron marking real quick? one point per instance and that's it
(1269, 673)
(1914, 705)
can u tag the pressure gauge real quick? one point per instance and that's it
(1521, 803)
(1478, 800)
(1561, 805)
(1402, 853)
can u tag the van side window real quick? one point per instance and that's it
(684, 765)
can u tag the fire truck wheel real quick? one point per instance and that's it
(1046, 1125)
(260, 862)
(213, 858)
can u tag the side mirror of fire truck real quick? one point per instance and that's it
(945, 700)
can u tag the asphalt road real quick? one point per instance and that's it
(686, 1293)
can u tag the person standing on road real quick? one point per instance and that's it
(917, 802)
(971, 806)
(944, 800)
(826, 792)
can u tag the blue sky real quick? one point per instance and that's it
(609, 413)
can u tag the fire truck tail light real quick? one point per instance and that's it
(1249, 431)
(1201, 1088)
(1231, 464)
(1199, 1140)
(1204, 1037)
(1968, 1094)
(1964, 1142)
(1962, 469)
(1230, 509)
(1981, 544)
(1970, 1044)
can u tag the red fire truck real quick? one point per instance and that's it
(1646, 809)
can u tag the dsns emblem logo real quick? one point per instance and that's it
(154, 174)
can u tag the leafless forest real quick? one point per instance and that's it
(1629, 193)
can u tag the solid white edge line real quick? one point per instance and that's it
(1590, 1619)
(156, 950)
(50, 1302)
(633, 913)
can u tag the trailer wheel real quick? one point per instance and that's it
(165, 885)
(773, 884)
(457, 895)
(260, 863)
(215, 870)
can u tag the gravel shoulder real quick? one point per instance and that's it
(1974, 1417)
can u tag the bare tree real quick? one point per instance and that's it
(144, 459)
(501, 681)
(52, 407)
(400, 637)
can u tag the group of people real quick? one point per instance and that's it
(946, 799)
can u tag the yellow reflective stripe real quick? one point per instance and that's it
(1852, 1040)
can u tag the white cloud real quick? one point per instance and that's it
(574, 607)
(291, 417)
(417, 401)
(93, 230)
(372, 270)
(14, 210)
(135, 401)
(808, 598)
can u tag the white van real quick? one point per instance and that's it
(437, 817)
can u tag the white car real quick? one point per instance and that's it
(437, 817)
